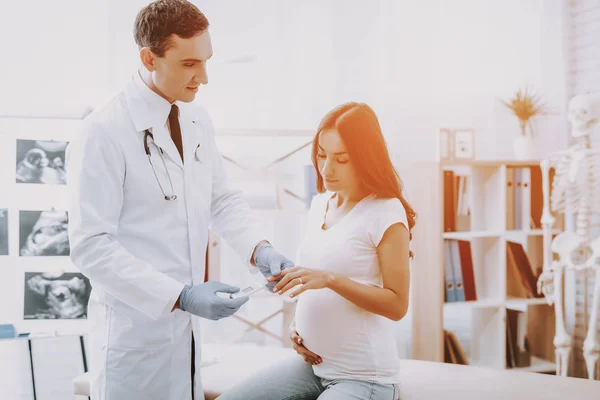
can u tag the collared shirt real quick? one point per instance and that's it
(158, 106)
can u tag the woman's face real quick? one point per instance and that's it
(334, 163)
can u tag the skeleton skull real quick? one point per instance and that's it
(584, 114)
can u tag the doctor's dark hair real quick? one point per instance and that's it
(160, 19)
(359, 128)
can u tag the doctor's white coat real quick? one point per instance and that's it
(139, 250)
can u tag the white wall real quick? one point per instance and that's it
(421, 65)
(54, 54)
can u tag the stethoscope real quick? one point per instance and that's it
(160, 152)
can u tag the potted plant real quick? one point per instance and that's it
(525, 106)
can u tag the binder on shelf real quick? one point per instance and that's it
(467, 273)
(450, 292)
(457, 271)
(510, 198)
(537, 198)
(449, 202)
(518, 199)
(522, 199)
(526, 198)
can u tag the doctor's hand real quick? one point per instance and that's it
(202, 300)
(270, 263)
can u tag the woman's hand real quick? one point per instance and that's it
(308, 278)
(308, 355)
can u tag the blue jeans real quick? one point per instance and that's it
(294, 379)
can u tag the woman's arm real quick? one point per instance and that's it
(391, 301)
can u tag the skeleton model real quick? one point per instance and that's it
(576, 191)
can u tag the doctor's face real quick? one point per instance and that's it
(182, 70)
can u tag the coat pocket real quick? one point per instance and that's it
(139, 373)
(129, 328)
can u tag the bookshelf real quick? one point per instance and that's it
(495, 205)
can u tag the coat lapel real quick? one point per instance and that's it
(143, 119)
(162, 138)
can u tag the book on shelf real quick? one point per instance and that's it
(458, 271)
(453, 351)
(541, 323)
(517, 346)
(522, 281)
(529, 335)
(456, 204)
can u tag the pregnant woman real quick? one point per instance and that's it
(352, 274)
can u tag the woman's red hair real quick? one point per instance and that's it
(359, 128)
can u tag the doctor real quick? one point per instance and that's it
(147, 181)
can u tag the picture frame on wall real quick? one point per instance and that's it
(41, 162)
(56, 295)
(43, 233)
(464, 144)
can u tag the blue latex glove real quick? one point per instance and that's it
(202, 300)
(270, 263)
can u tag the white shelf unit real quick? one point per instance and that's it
(481, 325)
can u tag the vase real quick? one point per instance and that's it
(523, 148)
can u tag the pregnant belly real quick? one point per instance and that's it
(330, 325)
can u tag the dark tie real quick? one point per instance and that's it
(176, 129)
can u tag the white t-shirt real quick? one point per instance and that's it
(353, 343)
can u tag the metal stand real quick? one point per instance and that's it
(32, 373)
(83, 358)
